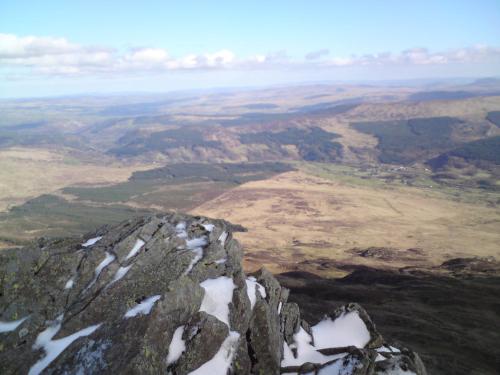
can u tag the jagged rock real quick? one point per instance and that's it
(166, 294)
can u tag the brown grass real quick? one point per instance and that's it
(27, 172)
(294, 217)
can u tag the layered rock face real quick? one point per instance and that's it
(166, 294)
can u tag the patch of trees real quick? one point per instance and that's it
(494, 117)
(313, 144)
(405, 141)
(133, 143)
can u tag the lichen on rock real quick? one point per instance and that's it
(161, 300)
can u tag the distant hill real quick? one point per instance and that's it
(483, 150)
(406, 141)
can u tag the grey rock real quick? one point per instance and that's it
(62, 284)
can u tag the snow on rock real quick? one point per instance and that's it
(388, 349)
(106, 261)
(223, 237)
(11, 326)
(208, 227)
(143, 308)
(180, 230)
(69, 284)
(177, 346)
(218, 295)
(91, 241)
(396, 370)
(137, 247)
(53, 348)
(348, 366)
(198, 254)
(196, 243)
(306, 352)
(346, 330)
(280, 305)
(221, 361)
(252, 287)
(221, 261)
(122, 271)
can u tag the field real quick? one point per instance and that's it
(316, 221)
(385, 176)
(29, 172)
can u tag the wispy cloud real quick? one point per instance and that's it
(422, 56)
(314, 55)
(58, 56)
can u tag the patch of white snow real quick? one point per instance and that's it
(69, 284)
(53, 348)
(180, 230)
(346, 330)
(122, 271)
(280, 305)
(198, 254)
(223, 237)
(218, 295)
(196, 242)
(11, 326)
(221, 361)
(177, 346)
(221, 261)
(252, 287)
(306, 352)
(143, 308)
(208, 227)
(91, 241)
(137, 247)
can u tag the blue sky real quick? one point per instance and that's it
(82, 46)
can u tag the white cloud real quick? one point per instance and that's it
(58, 56)
(422, 56)
(314, 55)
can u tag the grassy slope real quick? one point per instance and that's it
(298, 216)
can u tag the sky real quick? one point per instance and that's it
(50, 48)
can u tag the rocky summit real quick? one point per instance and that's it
(166, 294)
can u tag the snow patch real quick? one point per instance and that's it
(143, 308)
(221, 261)
(53, 348)
(197, 242)
(221, 361)
(208, 227)
(252, 287)
(223, 237)
(180, 230)
(109, 258)
(218, 295)
(306, 352)
(280, 305)
(397, 370)
(198, 254)
(106, 261)
(137, 247)
(177, 346)
(346, 330)
(11, 326)
(91, 241)
(122, 271)
(69, 284)
(340, 367)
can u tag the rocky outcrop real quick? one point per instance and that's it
(166, 294)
